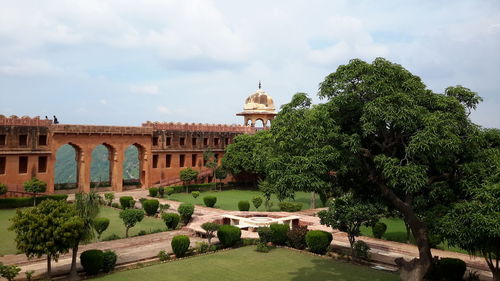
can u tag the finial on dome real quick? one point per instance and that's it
(259, 85)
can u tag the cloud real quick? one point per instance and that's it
(145, 89)
(103, 101)
(28, 67)
(162, 109)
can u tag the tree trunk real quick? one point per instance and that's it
(352, 239)
(73, 274)
(126, 232)
(313, 200)
(49, 267)
(495, 270)
(407, 232)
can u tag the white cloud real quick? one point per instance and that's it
(162, 109)
(145, 89)
(28, 67)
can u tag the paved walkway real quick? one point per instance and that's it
(148, 246)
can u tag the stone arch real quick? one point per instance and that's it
(142, 166)
(67, 167)
(102, 166)
(131, 166)
(260, 124)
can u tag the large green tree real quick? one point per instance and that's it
(384, 137)
(188, 175)
(44, 230)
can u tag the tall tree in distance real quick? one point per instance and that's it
(188, 175)
(35, 186)
(210, 161)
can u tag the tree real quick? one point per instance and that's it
(210, 161)
(187, 175)
(220, 174)
(386, 138)
(43, 230)
(35, 186)
(100, 225)
(130, 218)
(87, 206)
(348, 214)
(3, 189)
(210, 228)
(9, 272)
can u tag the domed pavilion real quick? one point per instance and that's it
(258, 106)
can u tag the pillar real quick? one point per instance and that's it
(83, 169)
(116, 156)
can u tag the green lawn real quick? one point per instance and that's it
(396, 231)
(228, 199)
(247, 264)
(8, 246)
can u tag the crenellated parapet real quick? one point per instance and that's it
(102, 130)
(13, 120)
(193, 127)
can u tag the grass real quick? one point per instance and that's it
(228, 199)
(396, 231)
(247, 264)
(148, 224)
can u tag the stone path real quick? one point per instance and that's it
(148, 246)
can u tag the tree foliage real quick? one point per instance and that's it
(130, 218)
(187, 175)
(35, 186)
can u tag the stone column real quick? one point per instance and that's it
(83, 168)
(116, 156)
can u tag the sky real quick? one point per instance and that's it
(126, 62)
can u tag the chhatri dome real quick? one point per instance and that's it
(258, 106)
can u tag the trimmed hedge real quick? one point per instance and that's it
(279, 233)
(18, 202)
(92, 261)
(109, 261)
(229, 235)
(290, 206)
(180, 245)
(318, 241)
(265, 234)
(210, 201)
(192, 187)
(195, 194)
(127, 202)
(153, 192)
(244, 205)
(161, 191)
(186, 210)
(171, 220)
(150, 206)
(379, 229)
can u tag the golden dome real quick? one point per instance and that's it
(259, 101)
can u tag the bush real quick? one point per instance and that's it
(164, 207)
(92, 261)
(115, 205)
(10, 272)
(257, 201)
(186, 210)
(297, 237)
(153, 192)
(3, 188)
(100, 225)
(318, 241)
(109, 261)
(361, 249)
(151, 206)
(195, 194)
(210, 201)
(202, 247)
(169, 191)
(265, 234)
(142, 199)
(109, 198)
(379, 229)
(210, 228)
(163, 256)
(141, 233)
(279, 233)
(180, 245)
(126, 202)
(130, 218)
(111, 237)
(244, 205)
(161, 191)
(290, 206)
(262, 247)
(9, 203)
(229, 235)
(171, 220)
(452, 269)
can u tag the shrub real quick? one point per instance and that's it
(279, 233)
(257, 201)
(186, 210)
(290, 206)
(262, 247)
(109, 261)
(180, 245)
(141, 233)
(229, 235)
(164, 207)
(195, 194)
(111, 237)
(297, 237)
(9, 272)
(3, 188)
(210, 228)
(169, 191)
(10, 203)
(161, 191)
(379, 229)
(92, 261)
(265, 234)
(100, 225)
(130, 217)
(209, 201)
(115, 205)
(202, 247)
(126, 202)
(452, 269)
(318, 241)
(141, 200)
(243, 205)
(163, 256)
(171, 220)
(151, 206)
(361, 249)
(153, 192)
(109, 198)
